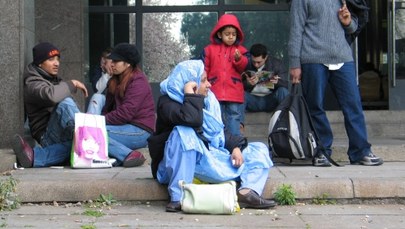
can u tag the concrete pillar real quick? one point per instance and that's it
(16, 36)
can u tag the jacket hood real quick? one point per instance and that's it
(227, 19)
(32, 71)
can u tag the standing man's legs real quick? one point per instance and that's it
(314, 80)
(344, 85)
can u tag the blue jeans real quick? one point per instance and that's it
(122, 139)
(267, 103)
(344, 85)
(232, 116)
(56, 142)
(96, 104)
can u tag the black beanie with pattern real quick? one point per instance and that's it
(44, 51)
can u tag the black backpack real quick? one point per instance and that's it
(291, 131)
(358, 9)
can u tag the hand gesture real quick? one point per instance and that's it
(80, 86)
(344, 15)
(237, 55)
(190, 87)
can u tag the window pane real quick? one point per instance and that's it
(254, 2)
(112, 2)
(169, 38)
(178, 3)
(268, 28)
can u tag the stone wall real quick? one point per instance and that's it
(62, 23)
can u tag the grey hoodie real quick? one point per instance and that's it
(42, 92)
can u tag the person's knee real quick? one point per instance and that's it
(67, 103)
(281, 93)
(98, 97)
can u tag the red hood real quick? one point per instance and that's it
(227, 19)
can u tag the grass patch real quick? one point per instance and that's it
(285, 195)
(92, 212)
(8, 196)
(88, 226)
(102, 201)
(323, 199)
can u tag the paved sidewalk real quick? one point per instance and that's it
(152, 215)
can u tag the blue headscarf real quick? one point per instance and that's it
(173, 86)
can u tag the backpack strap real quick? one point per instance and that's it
(320, 148)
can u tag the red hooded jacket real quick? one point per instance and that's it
(223, 72)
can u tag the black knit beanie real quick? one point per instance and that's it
(44, 51)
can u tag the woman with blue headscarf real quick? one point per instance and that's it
(190, 141)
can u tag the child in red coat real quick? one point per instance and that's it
(224, 61)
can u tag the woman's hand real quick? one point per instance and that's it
(237, 158)
(190, 87)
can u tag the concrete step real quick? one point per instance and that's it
(350, 182)
(390, 124)
(390, 149)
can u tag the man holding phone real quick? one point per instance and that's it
(265, 81)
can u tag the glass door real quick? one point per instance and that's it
(396, 54)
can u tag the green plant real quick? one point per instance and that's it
(106, 200)
(4, 224)
(102, 201)
(88, 226)
(95, 213)
(285, 195)
(323, 199)
(8, 196)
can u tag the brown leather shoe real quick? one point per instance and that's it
(23, 151)
(253, 200)
(134, 159)
(174, 206)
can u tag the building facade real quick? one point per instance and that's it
(168, 31)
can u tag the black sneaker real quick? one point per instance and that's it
(321, 161)
(370, 159)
